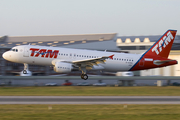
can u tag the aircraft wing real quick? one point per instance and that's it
(89, 63)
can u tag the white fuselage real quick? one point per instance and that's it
(23, 54)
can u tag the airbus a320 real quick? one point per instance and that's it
(66, 60)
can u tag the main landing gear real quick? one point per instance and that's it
(84, 76)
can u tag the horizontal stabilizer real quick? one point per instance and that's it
(158, 62)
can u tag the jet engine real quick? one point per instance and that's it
(62, 67)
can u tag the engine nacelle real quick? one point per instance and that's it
(62, 67)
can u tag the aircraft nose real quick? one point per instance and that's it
(5, 56)
(10, 56)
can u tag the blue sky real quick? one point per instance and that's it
(58, 17)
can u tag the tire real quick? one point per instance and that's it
(85, 77)
(24, 72)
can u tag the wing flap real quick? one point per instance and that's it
(93, 60)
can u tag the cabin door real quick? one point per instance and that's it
(26, 52)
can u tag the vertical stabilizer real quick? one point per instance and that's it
(162, 46)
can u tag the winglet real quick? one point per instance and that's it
(111, 56)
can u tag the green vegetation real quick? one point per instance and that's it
(90, 91)
(89, 112)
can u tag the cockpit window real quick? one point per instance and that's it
(15, 50)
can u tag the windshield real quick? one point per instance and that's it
(14, 49)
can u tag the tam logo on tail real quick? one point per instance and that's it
(163, 43)
(163, 46)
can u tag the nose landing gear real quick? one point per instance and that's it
(25, 68)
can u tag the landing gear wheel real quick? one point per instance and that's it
(84, 76)
(24, 72)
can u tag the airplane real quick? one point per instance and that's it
(66, 60)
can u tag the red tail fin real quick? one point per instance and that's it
(163, 46)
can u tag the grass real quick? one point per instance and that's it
(90, 91)
(90, 112)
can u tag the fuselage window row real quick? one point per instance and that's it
(84, 56)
